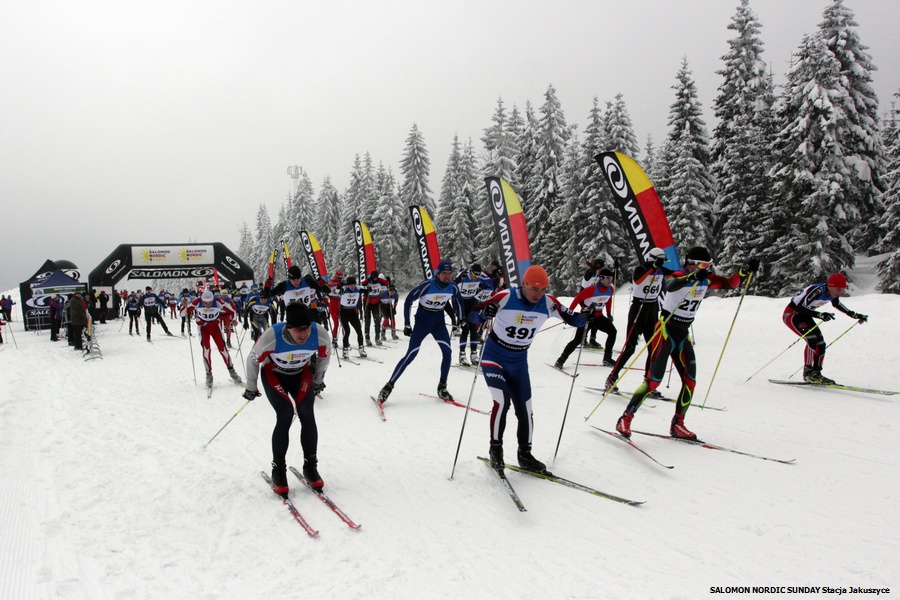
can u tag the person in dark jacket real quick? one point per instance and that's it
(56, 311)
(78, 318)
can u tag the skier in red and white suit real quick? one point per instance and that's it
(212, 314)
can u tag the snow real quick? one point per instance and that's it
(108, 491)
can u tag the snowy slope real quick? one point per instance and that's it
(108, 492)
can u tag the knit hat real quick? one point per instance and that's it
(297, 315)
(294, 272)
(536, 276)
(837, 281)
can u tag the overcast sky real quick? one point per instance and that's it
(171, 121)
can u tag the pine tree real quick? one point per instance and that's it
(740, 148)
(350, 211)
(550, 149)
(301, 216)
(264, 242)
(688, 189)
(527, 175)
(245, 249)
(809, 173)
(453, 219)
(415, 169)
(889, 268)
(612, 239)
(860, 136)
(499, 160)
(387, 226)
(328, 223)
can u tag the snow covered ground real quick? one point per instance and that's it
(108, 492)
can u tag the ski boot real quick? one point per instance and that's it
(362, 352)
(368, 341)
(655, 395)
(594, 345)
(559, 364)
(279, 479)
(496, 454)
(442, 391)
(678, 430)
(623, 425)
(608, 363)
(234, 376)
(394, 335)
(385, 392)
(473, 357)
(822, 379)
(345, 353)
(311, 473)
(209, 379)
(611, 386)
(528, 462)
(462, 359)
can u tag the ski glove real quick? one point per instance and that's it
(490, 311)
(825, 316)
(859, 317)
(251, 394)
(701, 274)
(407, 330)
(318, 388)
(454, 331)
(753, 265)
(657, 263)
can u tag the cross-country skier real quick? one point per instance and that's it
(433, 295)
(647, 282)
(212, 314)
(259, 312)
(350, 299)
(133, 307)
(297, 288)
(389, 300)
(373, 285)
(292, 357)
(517, 314)
(151, 311)
(469, 283)
(684, 293)
(592, 300)
(799, 315)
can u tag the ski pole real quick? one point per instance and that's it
(193, 368)
(462, 429)
(571, 388)
(10, 330)
(660, 328)
(808, 331)
(240, 343)
(727, 337)
(226, 423)
(832, 342)
(551, 327)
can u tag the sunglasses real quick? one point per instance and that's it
(703, 264)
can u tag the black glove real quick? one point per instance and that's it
(318, 388)
(753, 265)
(658, 262)
(701, 274)
(251, 394)
(826, 316)
(588, 316)
(490, 311)
(861, 318)
(407, 330)
(246, 327)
